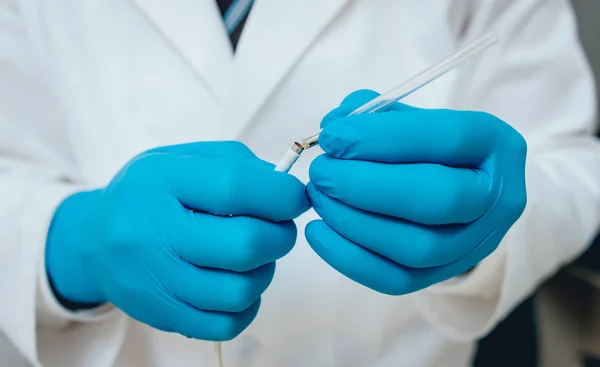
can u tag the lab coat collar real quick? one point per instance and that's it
(195, 30)
(276, 35)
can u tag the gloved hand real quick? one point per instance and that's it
(411, 197)
(159, 241)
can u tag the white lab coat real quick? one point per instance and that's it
(87, 84)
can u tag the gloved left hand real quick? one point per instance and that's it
(411, 197)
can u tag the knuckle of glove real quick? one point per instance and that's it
(145, 167)
(248, 248)
(238, 149)
(242, 293)
(423, 251)
(228, 329)
(120, 234)
(230, 182)
(514, 204)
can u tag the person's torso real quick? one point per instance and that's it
(134, 74)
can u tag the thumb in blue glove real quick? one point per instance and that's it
(184, 238)
(411, 197)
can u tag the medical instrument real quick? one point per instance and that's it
(397, 93)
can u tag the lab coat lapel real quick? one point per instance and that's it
(276, 35)
(195, 30)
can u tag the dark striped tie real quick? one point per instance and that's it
(234, 14)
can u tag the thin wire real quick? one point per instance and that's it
(218, 351)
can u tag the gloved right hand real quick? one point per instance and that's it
(184, 238)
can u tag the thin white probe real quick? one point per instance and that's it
(397, 93)
(218, 354)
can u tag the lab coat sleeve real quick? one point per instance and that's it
(37, 171)
(537, 79)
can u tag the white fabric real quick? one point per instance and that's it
(85, 85)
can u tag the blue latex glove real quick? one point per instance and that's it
(412, 197)
(150, 244)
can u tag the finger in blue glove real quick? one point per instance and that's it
(410, 197)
